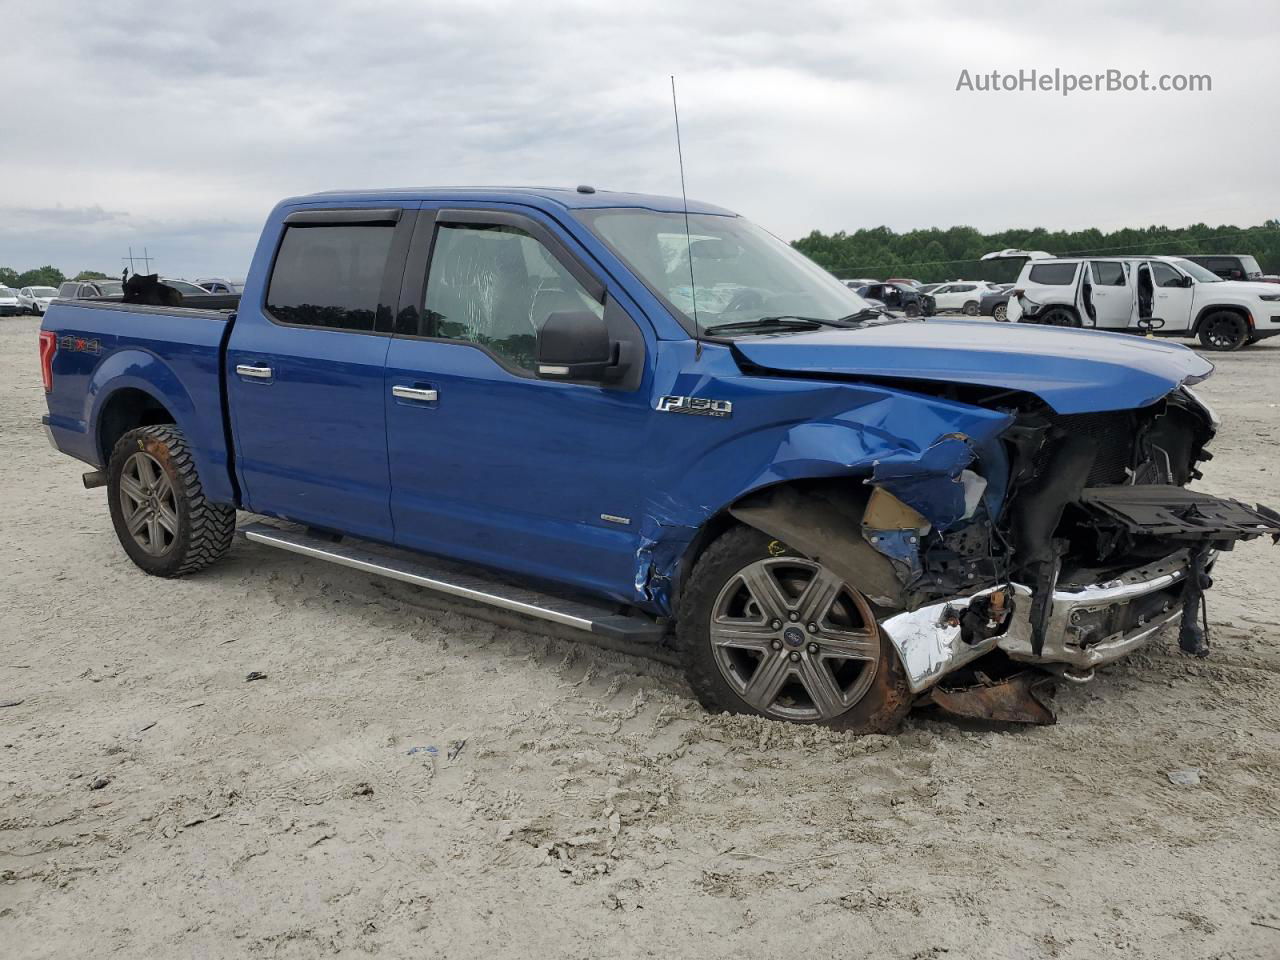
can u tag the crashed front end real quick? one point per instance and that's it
(1093, 545)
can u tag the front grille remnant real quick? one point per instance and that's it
(1115, 432)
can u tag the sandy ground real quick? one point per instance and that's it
(594, 810)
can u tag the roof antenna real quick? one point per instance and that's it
(688, 240)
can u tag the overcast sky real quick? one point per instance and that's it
(177, 126)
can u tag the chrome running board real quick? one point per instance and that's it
(456, 581)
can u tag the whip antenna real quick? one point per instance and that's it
(688, 240)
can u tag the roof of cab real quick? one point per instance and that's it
(563, 197)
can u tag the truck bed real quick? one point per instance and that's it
(169, 356)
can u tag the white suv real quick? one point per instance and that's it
(962, 295)
(1168, 296)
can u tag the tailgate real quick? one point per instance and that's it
(1179, 514)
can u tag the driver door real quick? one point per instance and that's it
(489, 463)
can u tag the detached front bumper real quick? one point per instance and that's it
(1089, 624)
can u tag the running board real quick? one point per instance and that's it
(451, 580)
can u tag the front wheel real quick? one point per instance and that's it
(1224, 330)
(1001, 312)
(765, 631)
(158, 506)
(911, 310)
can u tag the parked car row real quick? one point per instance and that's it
(1225, 301)
(1156, 295)
(25, 300)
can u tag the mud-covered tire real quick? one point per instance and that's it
(970, 309)
(202, 531)
(885, 698)
(1224, 330)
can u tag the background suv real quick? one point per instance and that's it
(900, 297)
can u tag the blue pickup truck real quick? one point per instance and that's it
(660, 425)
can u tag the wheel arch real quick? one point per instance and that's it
(1205, 312)
(124, 410)
(819, 517)
(135, 388)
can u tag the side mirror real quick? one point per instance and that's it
(575, 345)
(1188, 282)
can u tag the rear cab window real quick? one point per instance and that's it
(1053, 274)
(329, 275)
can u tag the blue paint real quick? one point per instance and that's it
(516, 472)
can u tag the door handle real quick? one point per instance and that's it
(251, 370)
(414, 393)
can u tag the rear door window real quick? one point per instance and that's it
(329, 275)
(1053, 274)
(1108, 273)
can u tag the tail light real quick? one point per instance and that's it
(48, 347)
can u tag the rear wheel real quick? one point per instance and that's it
(912, 310)
(1224, 330)
(764, 631)
(1060, 317)
(970, 309)
(158, 506)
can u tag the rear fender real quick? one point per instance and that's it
(132, 369)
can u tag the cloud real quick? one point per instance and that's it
(802, 115)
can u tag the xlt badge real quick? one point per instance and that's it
(697, 406)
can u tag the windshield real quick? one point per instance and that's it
(743, 274)
(110, 288)
(1251, 268)
(6, 292)
(43, 292)
(1201, 274)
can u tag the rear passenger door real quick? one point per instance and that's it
(490, 463)
(1113, 292)
(305, 371)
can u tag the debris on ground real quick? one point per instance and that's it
(10, 703)
(255, 675)
(1186, 778)
(99, 782)
(455, 748)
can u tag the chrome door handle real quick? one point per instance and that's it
(414, 393)
(249, 370)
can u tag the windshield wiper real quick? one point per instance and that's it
(858, 316)
(781, 320)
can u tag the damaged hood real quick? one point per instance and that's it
(1073, 371)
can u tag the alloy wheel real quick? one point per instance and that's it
(148, 504)
(793, 640)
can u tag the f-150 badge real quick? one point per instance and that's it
(697, 406)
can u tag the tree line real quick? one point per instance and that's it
(934, 255)
(956, 253)
(46, 276)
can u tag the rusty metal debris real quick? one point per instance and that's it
(1021, 698)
